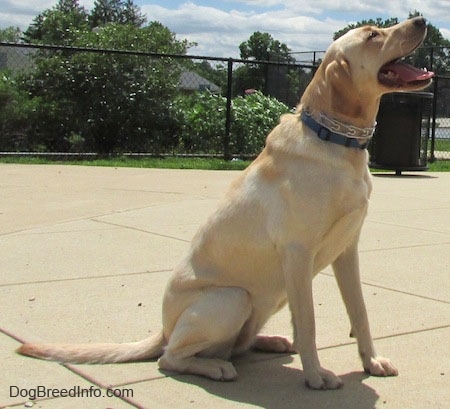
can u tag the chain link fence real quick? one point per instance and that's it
(440, 129)
(77, 101)
(69, 101)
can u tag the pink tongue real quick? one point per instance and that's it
(407, 72)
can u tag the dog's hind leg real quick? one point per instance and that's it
(205, 333)
(273, 343)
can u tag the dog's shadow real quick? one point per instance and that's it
(269, 383)
(413, 176)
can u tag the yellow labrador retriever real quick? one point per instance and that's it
(298, 208)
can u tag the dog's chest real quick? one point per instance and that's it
(324, 218)
(343, 225)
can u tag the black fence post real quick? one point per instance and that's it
(226, 139)
(431, 58)
(433, 121)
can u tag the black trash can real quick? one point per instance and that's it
(403, 129)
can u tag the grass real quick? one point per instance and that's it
(440, 166)
(170, 163)
(442, 145)
(163, 163)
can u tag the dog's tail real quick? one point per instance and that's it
(149, 348)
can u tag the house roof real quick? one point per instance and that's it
(191, 81)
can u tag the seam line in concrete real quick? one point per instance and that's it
(405, 247)
(77, 219)
(141, 230)
(395, 290)
(87, 278)
(407, 227)
(399, 334)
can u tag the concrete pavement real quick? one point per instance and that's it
(85, 253)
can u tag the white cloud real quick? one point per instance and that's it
(445, 33)
(400, 9)
(219, 33)
(302, 25)
(20, 13)
(220, 28)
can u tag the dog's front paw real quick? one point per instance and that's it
(323, 379)
(381, 367)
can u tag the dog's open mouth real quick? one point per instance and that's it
(399, 74)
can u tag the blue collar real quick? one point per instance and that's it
(327, 135)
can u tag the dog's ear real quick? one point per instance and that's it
(339, 80)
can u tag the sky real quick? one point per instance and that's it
(218, 27)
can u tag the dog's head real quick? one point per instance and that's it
(373, 55)
(364, 64)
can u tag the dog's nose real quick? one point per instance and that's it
(420, 21)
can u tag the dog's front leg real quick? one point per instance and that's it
(346, 270)
(298, 272)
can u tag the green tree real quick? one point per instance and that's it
(68, 6)
(109, 102)
(280, 81)
(60, 25)
(260, 47)
(263, 47)
(116, 11)
(10, 34)
(131, 14)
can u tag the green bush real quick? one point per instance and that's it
(204, 115)
(253, 117)
(81, 111)
(17, 113)
(113, 103)
(203, 122)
